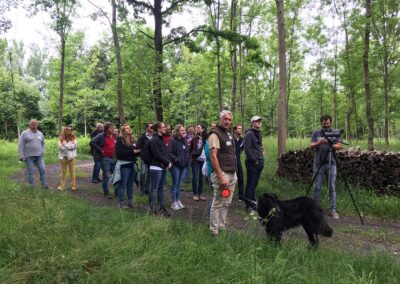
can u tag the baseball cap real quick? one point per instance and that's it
(255, 118)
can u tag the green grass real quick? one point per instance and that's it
(50, 237)
(367, 201)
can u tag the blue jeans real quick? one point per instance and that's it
(144, 177)
(106, 167)
(156, 193)
(324, 171)
(96, 169)
(128, 176)
(186, 177)
(253, 176)
(197, 179)
(37, 161)
(177, 176)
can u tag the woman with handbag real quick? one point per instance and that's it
(67, 154)
(198, 158)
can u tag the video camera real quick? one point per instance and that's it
(332, 136)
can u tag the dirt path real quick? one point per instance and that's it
(377, 235)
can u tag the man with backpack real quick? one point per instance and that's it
(144, 167)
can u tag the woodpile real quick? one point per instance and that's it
(377, 170)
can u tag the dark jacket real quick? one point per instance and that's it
(178, 152)
(97, 143)
(123, 151)
(159, 153)
(142, 141)
(92, 135)
(253, 147)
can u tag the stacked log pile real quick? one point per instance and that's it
(375, 170)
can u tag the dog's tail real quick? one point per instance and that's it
(325, 230)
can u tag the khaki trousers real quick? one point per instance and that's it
(220, 205)
(65, 163)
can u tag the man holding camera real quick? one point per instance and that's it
(324, 161)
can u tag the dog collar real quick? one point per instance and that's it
(270, 214)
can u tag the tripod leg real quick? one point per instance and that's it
(348, 189)
(352, 199)
(312, 181)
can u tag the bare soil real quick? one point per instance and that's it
(377, 235)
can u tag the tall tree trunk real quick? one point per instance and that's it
(233, 54)
(14, 98)
(368, 109)
(158, 46)
(385, 100)
(351, 108)
(290, 61)
(282, 79)
(219, 85)
(61, 98)
(334, 104)
(119, 62)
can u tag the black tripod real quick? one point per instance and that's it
(333, 153)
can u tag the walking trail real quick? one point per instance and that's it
(377, 235)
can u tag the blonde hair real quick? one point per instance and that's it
(132, 139)
(65, 136)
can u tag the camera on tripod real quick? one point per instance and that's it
(333, 136)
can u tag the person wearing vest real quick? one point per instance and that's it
(223, 177)
(254, 151)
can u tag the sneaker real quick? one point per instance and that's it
(164, 212)
(251, 211)
(241, 198)
(334, 214)
(107, 195)
(181, 206)
(73, 188)
(60, 188)
(96, 180)
(175, 206)
(196, 198)
(202, 198)
(123, 206)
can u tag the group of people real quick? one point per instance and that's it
(215, 155)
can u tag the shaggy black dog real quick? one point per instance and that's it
(278, 216)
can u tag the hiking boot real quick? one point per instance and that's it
(164, 212)
(334, 214)
(175, 206)
(181, 206)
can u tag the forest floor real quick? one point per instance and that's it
(376, 236)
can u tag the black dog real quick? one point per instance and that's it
(278, 216)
